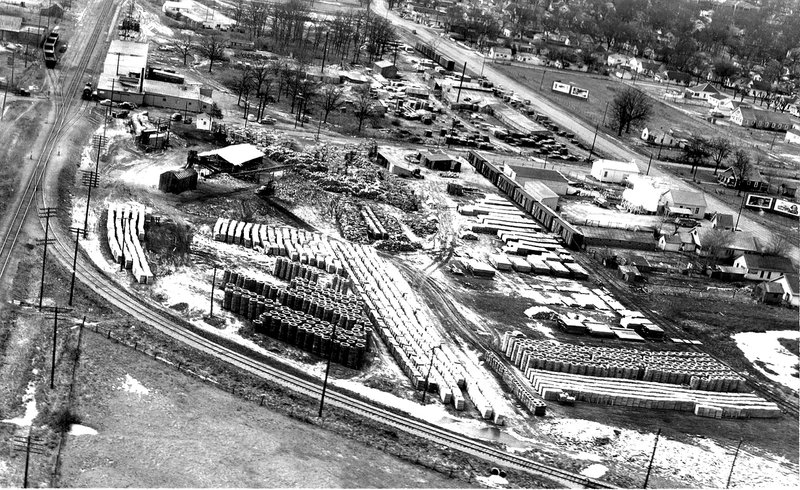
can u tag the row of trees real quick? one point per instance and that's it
(267, 81)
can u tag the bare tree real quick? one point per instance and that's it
(741, 167)
(362, 105)
(213, 48)
(778, 245)
(240, 82)
(185, 45)
(714, 241)
(629, 106)
(331, 99)
(696, 152)
(720, 149)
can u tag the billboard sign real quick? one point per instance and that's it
(579, 92)
(788, 208)
(759, 202)
(561, 87)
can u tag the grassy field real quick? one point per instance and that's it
(183, 433)
(603, 89)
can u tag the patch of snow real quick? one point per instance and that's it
(492, 481)
(81, 430)
(764, 347)
(29, 400)
(131, 385)
(595, 471)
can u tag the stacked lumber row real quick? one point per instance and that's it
(644, 394)
(524, 392)
(401, 322)
(695, 369)
(490, 204)
(287, 270)
(125, 230)
(375, 229)
(298, 245)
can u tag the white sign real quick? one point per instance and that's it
(787, 207)
(561, 87)
(579, 92)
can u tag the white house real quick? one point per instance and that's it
(764, 267)
(791, 288)
(793, 136)
(661, 138)
(635, 64)
(613, 171)
(684, 203)
(531, 59)
(615, 59)
(669, 243)
(502, 54)
(702, 91)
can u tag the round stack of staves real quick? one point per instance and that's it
(316, 319)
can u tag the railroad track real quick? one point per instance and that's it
(626, 296)
(65, 118)
(163, 321)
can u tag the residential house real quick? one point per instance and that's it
(624, 72)
(635, 64)
(769, 293)
(500, 54)
(752, 181)
(661, 138)
(684, 203)
(793, 136)
(673, 76)
(764, 267)
(650, 68)
(203, 122)
(790, 283)
(531, 59)
(727, 273)
(687, 241)
(10, 27)
(722, 221)
(716, 100)
(702, 91)
(728, 106)
(758, 89)
(669, 243)
(732, 244)
(748, 117)
(613, 171)
(615, 59)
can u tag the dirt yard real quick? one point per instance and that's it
(159, 428)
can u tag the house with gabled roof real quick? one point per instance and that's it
(790, 284)
(673, 76)
(688, 204)
(734, 243)
(751, 118)
(702, 91)
(764, 267)
(722, 221)
(751, 181)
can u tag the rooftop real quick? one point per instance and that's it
(175, 90)
(793, 281)
(10, 23)
(125, 57)
(724, 220)
(539, 174)
(616, 165)
(689, 198)
(768, 262)
(235, 154)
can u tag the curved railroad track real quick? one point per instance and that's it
(165, 322)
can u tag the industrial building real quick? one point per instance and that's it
(613, 171)
(553, 179)
(233, 157)
(197, 15)
(123, 80)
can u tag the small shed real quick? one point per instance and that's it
(542, 193)
(630, 273)
(770, 293)
(203, 122)
(727, 273)
(613, 171)
(439, 161)
(670, 243)
(385, 68)
(177, 181)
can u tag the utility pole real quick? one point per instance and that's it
(428, 375)
(591, 150)
(650, 466)
(125, 220)
(78, 232)
(735, 455)
(541, 84)
(736, 227)
(29, 444)
(327, 370)
(45, 213)
(319, 127)
(604, 114)
(649, 162)
(213, 282)
(55, 310)
(461, 83)
(10, 62)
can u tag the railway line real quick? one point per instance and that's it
(65, 118)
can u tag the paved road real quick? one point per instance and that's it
(608, 145)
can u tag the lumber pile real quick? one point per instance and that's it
(125, 231)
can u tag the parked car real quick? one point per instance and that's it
(106, 102)
(268, 121)
(176, 116)
(251, 118)
(24, 93)
(127, 105)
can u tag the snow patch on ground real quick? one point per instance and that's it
(493, 481)
(595, 471)
(81, 430)
(764, 347)
(131, 385)
(29, 400)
